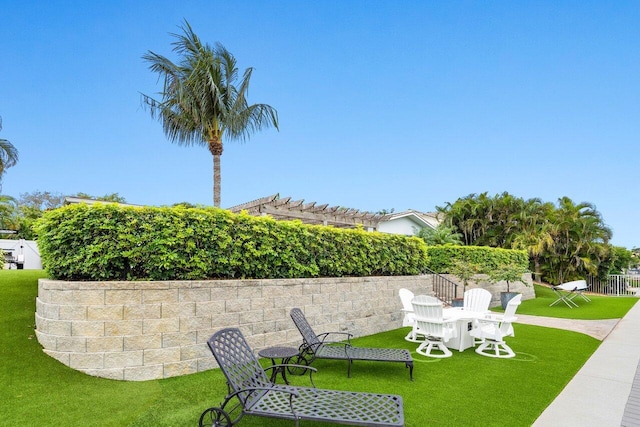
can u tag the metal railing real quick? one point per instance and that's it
(616, 285)
(444, 289)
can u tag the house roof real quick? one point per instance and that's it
(311, 213)
(314, 213)
(426, 219)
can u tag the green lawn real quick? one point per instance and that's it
(600, 307)
(466, 389)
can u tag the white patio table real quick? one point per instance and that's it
(464, 323)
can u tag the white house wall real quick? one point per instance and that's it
(29, 248)
(403, 225)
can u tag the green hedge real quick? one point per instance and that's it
(440, 258)
(111, 242)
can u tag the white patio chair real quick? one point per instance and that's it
(494, 328)
(430, 323)
(477, 300)
(407, 309)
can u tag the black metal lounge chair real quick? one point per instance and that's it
(317, 346)
(249, 384)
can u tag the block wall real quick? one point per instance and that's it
(150, 330)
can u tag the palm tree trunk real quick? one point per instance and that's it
(216, 180)
(215, 147)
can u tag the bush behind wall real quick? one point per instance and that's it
(487, 258)
(111, 242)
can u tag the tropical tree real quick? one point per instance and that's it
(202, 101)
(581, 241)
(31, 206)
(619, 261)
(564, 242)
(484, 220)
(635, 258)
(8, 155)
(441, 235)
(535, 232)
(8, 213)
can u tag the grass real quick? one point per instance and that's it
(600, 307)
(466, 389)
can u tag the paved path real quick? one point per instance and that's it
(596, 328)
(606, 390)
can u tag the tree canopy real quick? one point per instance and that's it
(565, 241)
(203, 101)
(8, 155)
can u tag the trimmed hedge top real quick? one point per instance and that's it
(488, 259)
(111, 242)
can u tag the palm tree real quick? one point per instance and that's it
(8, 155)
(579, 235)
(201, 101)
(441, 235)
(8, 213)
(535, 232)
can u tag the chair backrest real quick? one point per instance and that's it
(477, 299)
(512, 306)
(428, 315)
(308, 335)
(239, 364)
(405, 297)
(509, 315)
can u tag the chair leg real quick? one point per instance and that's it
(584, 297)
(427, 348)
(412, 336)
(495, 349)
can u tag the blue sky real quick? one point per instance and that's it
(382, 104)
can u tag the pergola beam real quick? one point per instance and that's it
(286, 209)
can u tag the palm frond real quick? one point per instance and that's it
(8, 155)
(200, 99)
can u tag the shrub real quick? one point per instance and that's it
(110, 242)
(441, 259)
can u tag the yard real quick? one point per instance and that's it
(466, 389)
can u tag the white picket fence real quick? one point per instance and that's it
(616, 285)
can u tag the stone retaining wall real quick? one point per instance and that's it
(150, 330)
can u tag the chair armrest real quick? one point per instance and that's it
(308, 368)
(282, 365)
(322, 337)
(443, 321)
(291, 391)
(487, 321)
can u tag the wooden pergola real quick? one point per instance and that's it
(283, 208)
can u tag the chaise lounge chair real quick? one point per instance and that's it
(568, 291)
(317, 346)
(249, 384)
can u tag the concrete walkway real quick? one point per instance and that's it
(606, 391)
(596, 328)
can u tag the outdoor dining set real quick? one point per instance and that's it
(436, 329)
(439, 329)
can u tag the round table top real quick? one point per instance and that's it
(278, 352)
